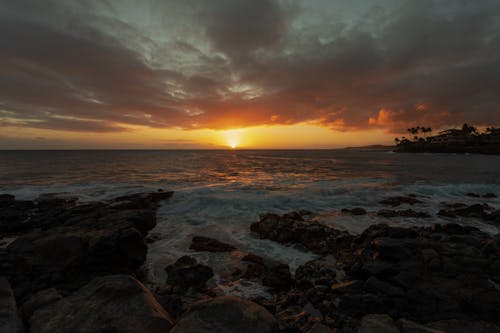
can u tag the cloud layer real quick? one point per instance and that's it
(233, 63)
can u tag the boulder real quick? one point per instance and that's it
(186, 273)
(38, 301)
(226, 314)
(73, 243)
(114, 303)
(201, 243)
(10, 321)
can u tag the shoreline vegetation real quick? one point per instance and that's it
(466, 140)
(79, 267)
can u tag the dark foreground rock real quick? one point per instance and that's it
(186, 273)
(115, 303)
(201, 243)
(293, 229)
(10, 320)
(64, 244)
(421, 275)
(226, 314)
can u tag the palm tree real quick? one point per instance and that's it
(467, 130)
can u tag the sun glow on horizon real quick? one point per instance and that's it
(232, 137)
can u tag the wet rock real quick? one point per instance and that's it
(200, 243)
(399, 200)
(187, 273)
(377, 323)
(402, 213)
(320, 271)
(476, 210)
(277, 276)
(115, 303)
(312, 235)
(446, 213)
(226, 314)
(272, 273)
(354, 211)
(10, 321)
(250, 257)
(473, 195)
(66, 244)
(489, 195)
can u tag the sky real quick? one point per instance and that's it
(246, 73)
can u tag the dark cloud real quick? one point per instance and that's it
(227, 63)
(236, 26)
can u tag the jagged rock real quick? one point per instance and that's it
(10, 321)
(66, 244)
(319, 271)
(226, 314)
(273, 273)
(291, 229)
(200, 243)
(187, 273)
(115, 303)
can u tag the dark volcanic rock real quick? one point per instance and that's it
(402, 213)
(480, 211)
(399, 200)
(10, 321)
(489, 195)
(317, 272)
(66, 244)
(354, 211)
(291, 229)
(39, 300)
(422, 275)
(187, 273)
(277, 276)
(444, 266)
(226, 314)
(200, 243)
(272, 273)
(115, 303)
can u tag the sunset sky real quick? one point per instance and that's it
(248, 73)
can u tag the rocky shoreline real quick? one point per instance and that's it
(67, 266)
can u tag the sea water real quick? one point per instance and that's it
(219, 193)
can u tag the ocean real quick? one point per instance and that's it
(219, 193)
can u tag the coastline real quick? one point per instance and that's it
(77, 252)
